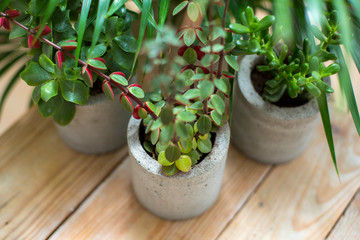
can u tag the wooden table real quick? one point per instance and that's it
(50, 191)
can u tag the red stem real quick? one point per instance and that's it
(106, 77)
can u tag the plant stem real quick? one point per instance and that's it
(106, 77)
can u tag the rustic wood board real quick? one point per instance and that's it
(348, 226)
(42, 181)
(112, 212)
(304, 198)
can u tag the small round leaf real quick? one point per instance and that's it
(184, 163)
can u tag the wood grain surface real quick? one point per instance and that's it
(42, 181)
(349, 225)
(112, 212)
(304, 198)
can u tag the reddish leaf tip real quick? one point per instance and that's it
(12, 13)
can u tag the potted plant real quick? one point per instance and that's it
(281, 88)
(62, 86)
(178, 158)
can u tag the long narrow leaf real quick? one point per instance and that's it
(150, 17)
(4, 4)
(346, 87)
(10, 85)
(324, 112)
(116, 5)
(344, 23)
(82, 25)
(284, 20)
(143, 22)
(163, 11)
(48, 12)
(100, 19)
(355, 4)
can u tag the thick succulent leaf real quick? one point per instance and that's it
(231, 60)
(65, 114)
(96, 64)
(46, 63)
(163, 161)
(180, 7)
(49, 90)
(50, 107)
(189, 36)
(74, 91)
(35, 75)
(137, 92)
(193, 11)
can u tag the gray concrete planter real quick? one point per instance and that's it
(265, 132)
(184, 195)
(98, 127)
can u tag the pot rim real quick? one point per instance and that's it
(149, 164)
(307, 110)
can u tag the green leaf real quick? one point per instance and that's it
(46, 63)
(36, 94)
(193, 11)
(222, 84)
(119, 79)
(49, 90)
(65, 114)
(180, 7)
(82, 25)
(50, 107)
(172, 153)
(265, 23)
(127, 104)
(184, 163)
(137, 92)
(96, 51)
(216, 117)
(4, 4)
(218, 103)
(100, 18)
(239, 28)
(231, 60)
(192, 93)
(186, 116)
(206, 89)
(324, 111)
(74, 91)
(205, 145)
(189, 36)
(35, 75)
(116, 5)
(163, 161)
(204, 124)
(109, 93)
(312, 89)
(154, 136)
(186, 76)
(194, 155)
(317, 33)
(126, 43)
(185, 145)
(145, 15)
(202, 36)
(96, 64)
(170, 170)
(254, 46)
(181, 129)
(163, 11)
(196, 106)
(166, 115)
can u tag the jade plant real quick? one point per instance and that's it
(59, 36)
(299, 71)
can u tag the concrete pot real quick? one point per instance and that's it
(98, 127)
(184, 195)
(263, 131)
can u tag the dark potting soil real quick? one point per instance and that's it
(258, 79)
(96, 89)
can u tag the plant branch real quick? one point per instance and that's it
(106, 77)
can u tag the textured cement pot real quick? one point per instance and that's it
(98, 127)
(184, 195)
(263, 131)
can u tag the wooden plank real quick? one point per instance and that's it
(113, 212)
(348, 226)
(41, 180)
(303, 199)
